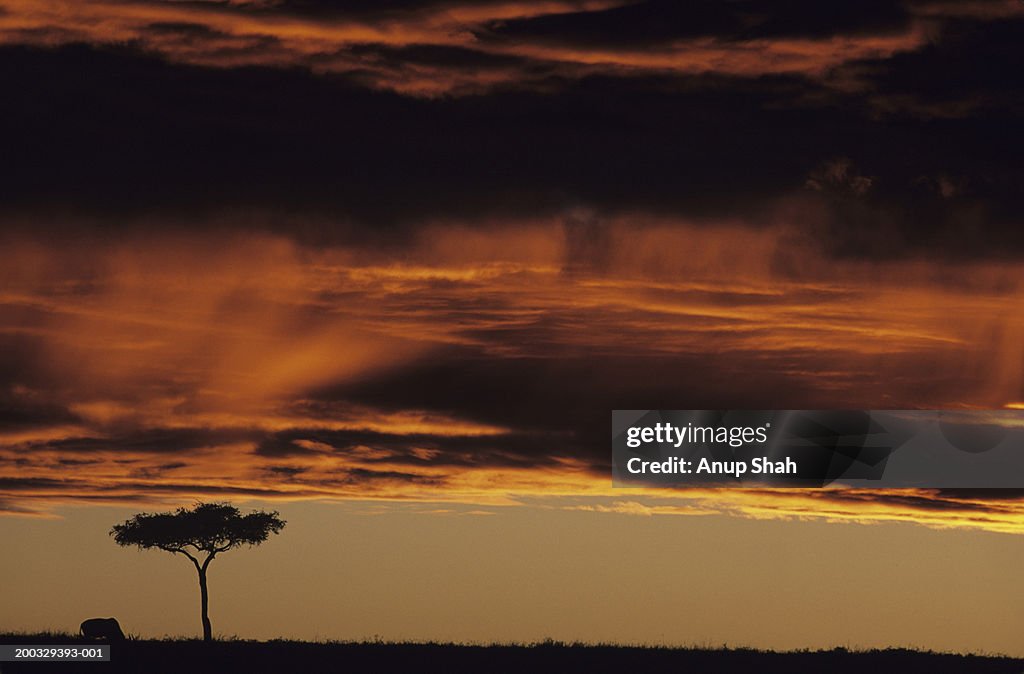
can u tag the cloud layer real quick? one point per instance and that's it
(418, 249)
(479, 369)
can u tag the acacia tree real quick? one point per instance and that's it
(199, 533)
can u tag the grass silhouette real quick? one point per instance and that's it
(279, 655)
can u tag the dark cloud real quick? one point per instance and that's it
(972, 68)
(913, 500)
(78, 462)
(639, 24)
(969, 502)
(560, 404)
(112, 137)
(367, 9)
(286, 471)
(660, 22)
(18, 411)
(26, 381)
(363, 475)
(195, 31)
(14, 484)
(422, 449)
(982, 494)
(150, 441)
(444, 56)
(133, 490)
(22, 359)
(811, 19)
(157, 471)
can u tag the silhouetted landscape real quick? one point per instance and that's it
(280, 656)
(383, 271)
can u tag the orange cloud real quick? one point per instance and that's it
(268, 34)
(179, 367)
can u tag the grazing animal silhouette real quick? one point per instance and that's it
(102, 628)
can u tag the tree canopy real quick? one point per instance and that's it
(207, 527)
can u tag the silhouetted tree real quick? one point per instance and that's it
(203, 531)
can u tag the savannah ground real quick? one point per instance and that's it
(194, 656)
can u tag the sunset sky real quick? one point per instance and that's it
(387, 267)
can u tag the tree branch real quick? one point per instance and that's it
(182, 551)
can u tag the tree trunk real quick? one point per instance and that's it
(204, 597)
